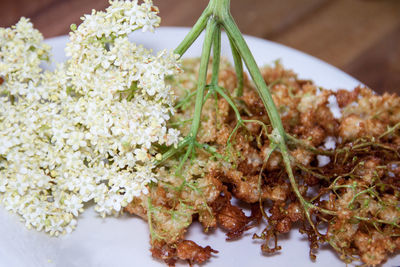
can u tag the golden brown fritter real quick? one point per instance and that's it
(346, 164)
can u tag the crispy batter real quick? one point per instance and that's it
(189, 250)
(358, 180)
(186, 250)
(233, 219)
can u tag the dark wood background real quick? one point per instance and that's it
(361, 37)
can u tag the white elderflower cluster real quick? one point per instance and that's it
(21, 51)
(90, 129)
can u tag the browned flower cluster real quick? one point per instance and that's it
(347, 167)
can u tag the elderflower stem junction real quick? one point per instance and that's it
(218, 13)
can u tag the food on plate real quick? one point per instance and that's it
(344, 149)
(174, 141)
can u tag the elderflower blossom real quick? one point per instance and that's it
(87, 130)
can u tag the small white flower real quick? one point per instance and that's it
(76, 140)
(73, 205)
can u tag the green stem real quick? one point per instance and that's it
(220, 91)
(390, 130)
(185, 157)
(318, 175)
(265, 161)
(220, 8)
(237, 60)
(185, 100)
(210, 149)
(202, 79)
(216, 56)
(311, 148)
(255, 74)
(194, 33)
(173, 150)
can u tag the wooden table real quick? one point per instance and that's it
(361, 37)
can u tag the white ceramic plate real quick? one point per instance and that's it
(124, 241)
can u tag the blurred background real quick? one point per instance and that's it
(361, 37)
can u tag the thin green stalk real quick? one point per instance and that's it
(154, 236)
(255, 74)
(390, 130)
(185, 157)
(311, 148)
(173, 150)
(185, 100)
(318, 175)
(194, 33)
(219, 8)
(202, 79)
(215, 69)
(237, 60)
(265, 161)
(210, 149)
(220, 91)
(201, 85)
(216, 56)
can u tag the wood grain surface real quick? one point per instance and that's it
(361, 37)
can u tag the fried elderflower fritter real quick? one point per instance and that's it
(345, 154)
